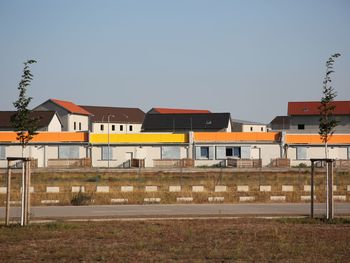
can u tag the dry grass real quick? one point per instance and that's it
(236, 240)
(163, 180)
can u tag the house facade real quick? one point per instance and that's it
(72, 117)
(115, 120)
(305, 116)
(248, 126)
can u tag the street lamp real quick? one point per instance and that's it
(108, 148)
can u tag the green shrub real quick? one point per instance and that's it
(81, 199)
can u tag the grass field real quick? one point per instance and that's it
(205, 240)
(163, 179)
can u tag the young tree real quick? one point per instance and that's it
(23, 124)
(327, 125)
(327, 121)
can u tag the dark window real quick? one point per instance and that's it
(113, 127)
(237, 152)
(121, 127)
(301, 126)
(75, 125)
(262, 128)
(79, 126)
(251, 128)
(229, 152)
(102, 127)
(130, 128)
(205, 152)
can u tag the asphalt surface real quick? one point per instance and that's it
(176, 210)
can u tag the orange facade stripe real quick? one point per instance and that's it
(235, 136)
(316, 139)
(48, 137)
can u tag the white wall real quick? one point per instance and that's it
(96, 127)
(54, 125)
(255, 128)
(335, 152)
(84, 120)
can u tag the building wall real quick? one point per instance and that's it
(334, 152)
(311, 124)
(239, 127)
(253, 128)
(121, 154)
(62, 113)
(247, 151)
(96, 128)
(54, 125)
(78, 119)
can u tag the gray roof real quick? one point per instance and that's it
(247, 122)
(185, 122)
(44, 118)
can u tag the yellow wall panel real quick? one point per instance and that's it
(139, 138)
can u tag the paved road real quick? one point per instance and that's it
(183, 210)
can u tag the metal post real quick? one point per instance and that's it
(327, 189)
(28, 198)
(108, 137)
(312, 189)
(330, 190)
(22, 195)
(7, 217)
(108, 116)
(24, 192)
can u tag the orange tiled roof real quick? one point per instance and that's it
(71, 107)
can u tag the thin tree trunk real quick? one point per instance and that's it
(327, 181)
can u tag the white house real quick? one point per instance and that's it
(115, 119)
(72, 116)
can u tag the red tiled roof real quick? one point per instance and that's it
(312, 108)
(177, 111)
(71, 107)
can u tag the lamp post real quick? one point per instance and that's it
(108, 149)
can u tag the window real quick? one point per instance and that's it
(79, 126)
(104, 152)
(229, 152)
(121, 127)
(301, 126)
(170, 152)
(237, 152)
(204, 152)
(113, 127)
(68, 152)
(262, 128)
(222, 152)
(301, 153)
(251, 128)
(75, 125)
(102, 127)
(130, 127)
(2, 152)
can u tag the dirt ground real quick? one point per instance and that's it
(204, 240)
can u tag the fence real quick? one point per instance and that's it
(60, 163)
(280, 163)
(159, 163)
(244, 163)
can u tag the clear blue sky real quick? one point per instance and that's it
(245, 57)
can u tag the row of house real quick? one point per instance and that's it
(121, 137)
